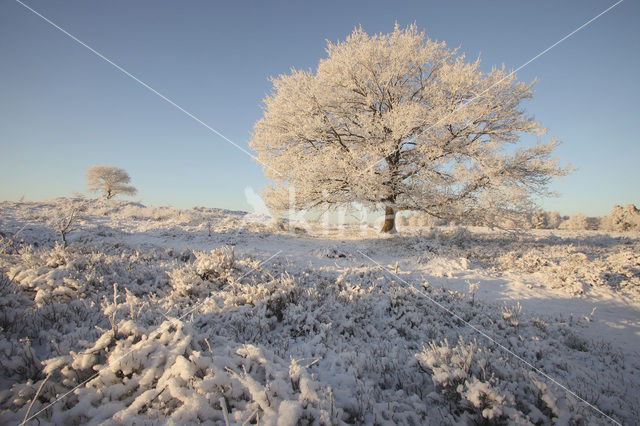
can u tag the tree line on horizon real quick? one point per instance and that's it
(620, 219)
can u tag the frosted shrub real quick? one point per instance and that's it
(186, 282)
(65, 218)
(530, 261)
(540, 220)
(577, 222)
(11, 243)
(511, 314)
(575, 271)
(60, 275)
(277, 224)
(138, 377)
(460, 236)
(12, 305)
(209, 272)
(174, 374)
(554, 220)
(473, 291)
(19, 360)
(218, 264)
(486, 399)
(449, 367)
(55, 257)
(47, 273)
(622, 219)
(622, 270)
(481, 383)
(571, 271)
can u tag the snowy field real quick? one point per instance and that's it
(153, 315)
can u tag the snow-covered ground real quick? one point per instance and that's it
(156, 315)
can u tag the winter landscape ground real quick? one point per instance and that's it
(156, 315)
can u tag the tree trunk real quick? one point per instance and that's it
(389, 220)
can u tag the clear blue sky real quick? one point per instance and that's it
(63, 109)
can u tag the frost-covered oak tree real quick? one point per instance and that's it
(109, 180)
(401, 122)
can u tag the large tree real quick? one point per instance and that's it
(401, 122)
(109, 180)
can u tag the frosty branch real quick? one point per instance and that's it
(65, 219)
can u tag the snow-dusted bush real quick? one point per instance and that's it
(554, 219)
(61, 275)
(10, 243)
(465, 373)
(576, 222)
(174, 374)
(540, 220)
(449, 367)
(210, 271)
(65, 218)
(489, 386)
(575, 270)
(622, 219)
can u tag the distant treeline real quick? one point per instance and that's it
(619, 219)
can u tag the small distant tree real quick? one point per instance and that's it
(109, 180)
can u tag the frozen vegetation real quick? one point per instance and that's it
(154, 315)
